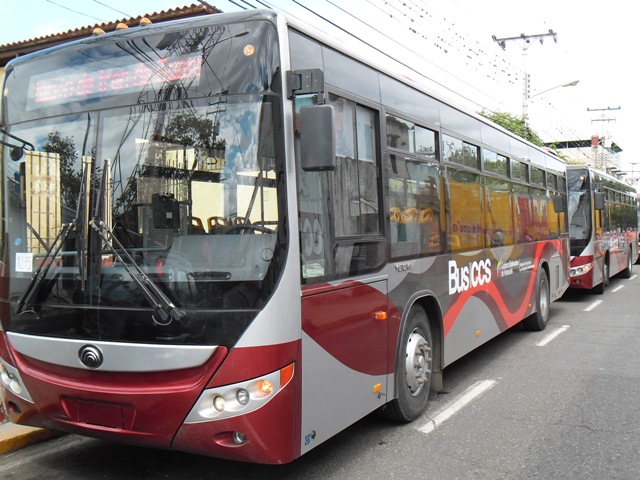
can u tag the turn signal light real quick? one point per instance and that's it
(265, 387)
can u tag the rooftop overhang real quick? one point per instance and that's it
(23, 47)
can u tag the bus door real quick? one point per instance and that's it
(345, 358)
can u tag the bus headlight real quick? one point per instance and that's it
(219, 403)
(239, 398)
(581, 269)
(242, 396)
(10, 378)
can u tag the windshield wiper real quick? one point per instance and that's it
(27, 298)
(165, 310)
(163, 307)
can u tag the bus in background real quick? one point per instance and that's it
(236, 236)
(603, 227)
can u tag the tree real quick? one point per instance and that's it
(70, 176)
(515, 124)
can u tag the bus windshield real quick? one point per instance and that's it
(579, 210)
(129, 222)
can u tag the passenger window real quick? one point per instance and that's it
(498, 212)
(355, 186)
(465, 204)
(414, 204)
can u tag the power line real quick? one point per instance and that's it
(114, 9)
(75, 11)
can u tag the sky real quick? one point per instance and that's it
(450, 43)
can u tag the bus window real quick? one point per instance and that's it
(539, 206)
(523, 215)
(414, 201)
(498, 212)
(465, 207)
(460, 152)
(355, 185)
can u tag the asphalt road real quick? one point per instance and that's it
(562, 403)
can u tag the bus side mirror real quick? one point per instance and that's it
(598, 201)
(558, 203)
(317, 138)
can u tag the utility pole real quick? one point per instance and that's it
(595, 140)
(526, 43)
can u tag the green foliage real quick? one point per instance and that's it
(515, 124)
(70, 177)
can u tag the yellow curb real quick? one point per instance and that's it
(15, 437)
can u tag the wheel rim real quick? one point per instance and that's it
(418, 362)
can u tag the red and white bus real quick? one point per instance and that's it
(603, 227)
(236, 236)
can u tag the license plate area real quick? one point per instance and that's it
(100, 414)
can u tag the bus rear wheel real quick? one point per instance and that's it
(537, 321)
(413, 369)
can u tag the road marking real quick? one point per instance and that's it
(592, 306)
(552, 335)
(618, 288)
(632, 276)
(471, 393)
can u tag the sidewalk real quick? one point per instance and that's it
(14, 437)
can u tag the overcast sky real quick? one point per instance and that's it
(451, 43)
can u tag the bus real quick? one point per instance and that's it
(603, 227)
(236, 236)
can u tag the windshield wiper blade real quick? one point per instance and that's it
(27, 298)
(165, 310)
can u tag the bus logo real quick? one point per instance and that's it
(90, 356)
(468, 276)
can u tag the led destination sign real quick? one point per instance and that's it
(71, 84)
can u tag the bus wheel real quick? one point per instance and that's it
(413, 369)
(626, 273)
(538, 320)
(601, 287)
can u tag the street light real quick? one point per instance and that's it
(570, 84)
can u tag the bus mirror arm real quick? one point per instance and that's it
(317, 138)
(17, 151)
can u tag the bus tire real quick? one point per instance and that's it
(414, 366)
(537, 321)
(626, 273)
(602, 286)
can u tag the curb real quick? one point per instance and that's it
(14, 437)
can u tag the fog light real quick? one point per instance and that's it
(242, 396)
(238, 438)
(219, 403)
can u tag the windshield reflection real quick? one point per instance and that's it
(168, 209)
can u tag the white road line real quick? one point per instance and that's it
(474, 391)
(618, 288)
(632, 276)
(552, 335)
(592, 306)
